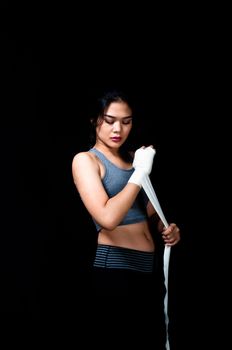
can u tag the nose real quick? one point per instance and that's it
(117, 126)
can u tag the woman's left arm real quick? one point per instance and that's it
(171, 234)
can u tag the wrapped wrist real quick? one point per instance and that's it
(137, 177)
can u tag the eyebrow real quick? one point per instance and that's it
(111, 116)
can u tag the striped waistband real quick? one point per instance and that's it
(108, 256)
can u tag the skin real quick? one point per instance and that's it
(111, 132)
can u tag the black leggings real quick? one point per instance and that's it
(128, 305)
(127, 292)
(122, 272)
(122, 283)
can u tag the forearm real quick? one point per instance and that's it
(117, 207)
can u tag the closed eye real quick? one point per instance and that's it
(111, 120)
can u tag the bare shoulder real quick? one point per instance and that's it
(84, 168)
(83, 159)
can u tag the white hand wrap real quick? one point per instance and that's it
(142, 164)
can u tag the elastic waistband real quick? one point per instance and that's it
(108, 256)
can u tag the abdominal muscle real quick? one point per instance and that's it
(134, 236)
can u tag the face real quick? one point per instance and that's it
(115, 126)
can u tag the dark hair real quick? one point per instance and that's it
(103, 102)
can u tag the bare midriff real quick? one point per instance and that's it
(134, 236)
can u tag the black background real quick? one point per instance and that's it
(53, 66)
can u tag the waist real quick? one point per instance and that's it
(133, 236)
(108, 256)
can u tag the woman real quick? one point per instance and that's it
(108, 179)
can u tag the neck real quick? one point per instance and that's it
(106, 150)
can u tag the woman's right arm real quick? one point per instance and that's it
(107, 212)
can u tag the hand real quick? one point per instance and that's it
(143, 159)
(171, 235)
(142, 164)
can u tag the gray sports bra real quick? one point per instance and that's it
(115, 179)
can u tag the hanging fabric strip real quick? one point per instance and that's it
(148, 188)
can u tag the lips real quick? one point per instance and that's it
(116, 139)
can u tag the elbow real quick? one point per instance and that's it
(109, 224)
